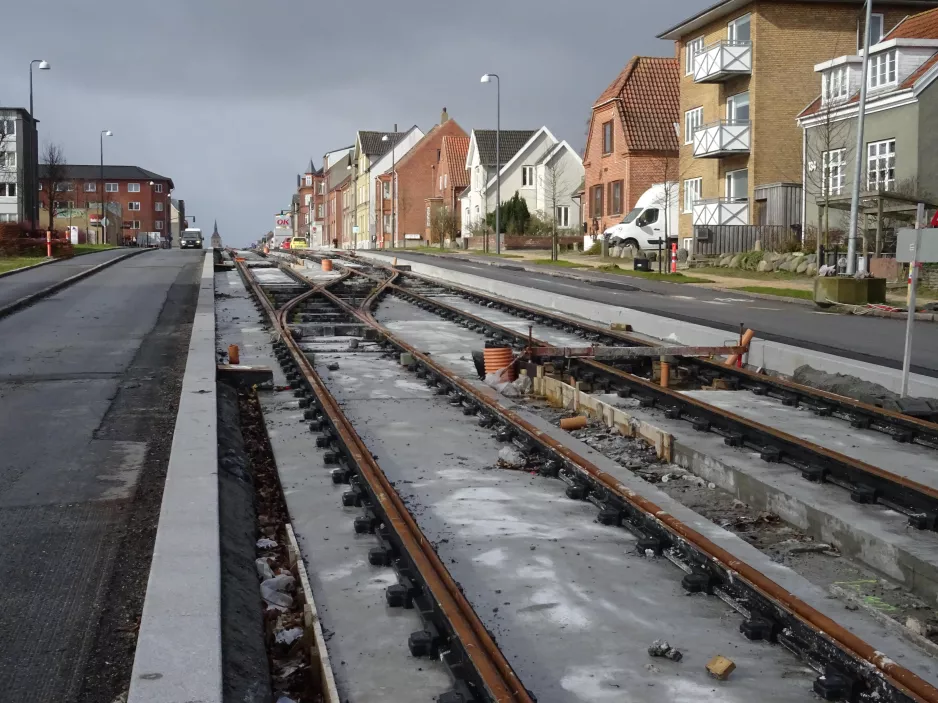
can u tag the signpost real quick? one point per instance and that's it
(915, 246)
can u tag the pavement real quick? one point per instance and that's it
(867, 339)
(89, 386)
(23, 283)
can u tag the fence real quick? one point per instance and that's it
(714, 240)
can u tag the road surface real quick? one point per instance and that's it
(89, 384)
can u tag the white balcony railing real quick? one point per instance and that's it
(723, 60)
(723, 138)
(721, 211)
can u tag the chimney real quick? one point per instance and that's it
(444, 118)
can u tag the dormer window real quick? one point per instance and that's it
(882, 69)
(834, 84)
(309, 180)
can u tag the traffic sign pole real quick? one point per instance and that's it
(910, 321)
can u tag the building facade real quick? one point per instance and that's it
(632, 141)
(449, 181)
(19, 157)
(310, 201)
(746, 72)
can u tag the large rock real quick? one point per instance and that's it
(801, 267)
(763, 266)
(797, 255)
(811, 269)
(811, 258)
(682, 255)
(771, 256)
(734, 261)
(615, 251)
(788, 265)
(725, 261)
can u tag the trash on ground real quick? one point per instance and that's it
(661, 648)
(266, 543)
(511, 456)
(288, 636)
(264, 571)
(274, 591)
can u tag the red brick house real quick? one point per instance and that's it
(449, 179)
(632, 141)
(311, 206)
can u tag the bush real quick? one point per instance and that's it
(596, 249)
(514, 217)
(750, 260)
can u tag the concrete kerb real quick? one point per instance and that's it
(178, 657)
(27, 300)
(775, 356)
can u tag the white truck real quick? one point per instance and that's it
(649, 220)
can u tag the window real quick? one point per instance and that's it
(563, 216)
(8, 128)
(428, 216)
(158, 207)
(881, 165)
(440, 184)
(309, 180)
(307, 217)
(8, 217)
(133, 187)
(692, 187)
(834, 174)
(690, 51)
(135, 224)
(737, 185)
(322, 188)
(527, 176)
(8, 159)
(157, 187)
(596, 202)
(133, 206)
(693, 120)
(882, 69)
(91, 187)
(7, 190)
(876, 28)
(158, 225)
(307, 199)
(737, 108)
(319, 211)
(64, 187)
(387, 223)
(615, 198)
(738, 30)
(607, 137)
(834, 84)
(649, 217)
(446, 180)
(110, 188)
(387, 190)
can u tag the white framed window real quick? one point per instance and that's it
(563, 216)
(387, 190)
(7, 190)
(319, 211)
(739, 29)
(309, 180)
(158, 207)
(737, 185)
(876, 28)
(8, 159)
(59, 205)
(446, 180)
(527, 176)
(8, 217)
(133, 206)
(387, 223)
(158, 225)
(133, 187)
(307, 199)
(881, 165)
(882, 69)
(834, 84)
(91, 187)
(111, 187)
(737, 107)
(8, 128)
(692, 187)
(322, 188)
(440, 184)
(135, 224)
(157, 187)
(693, 120)
(690, 51)
(64, 187)
(307, 217)
(834, 174)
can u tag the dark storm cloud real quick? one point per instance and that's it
(232, 97)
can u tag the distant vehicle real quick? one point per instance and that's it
(191, 238)
(298, 243)
(645, 224)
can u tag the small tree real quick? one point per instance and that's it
(828, 153)
(556, 189)
(513, 215)
(443, 224)
(56, 175)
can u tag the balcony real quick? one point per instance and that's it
(713, 212)
(723, 138)
(722, 61)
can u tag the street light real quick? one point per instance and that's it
(393, 188)
(353, 217)
(104, 133)
(43, 66)
(487, 78)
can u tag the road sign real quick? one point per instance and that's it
(283, 222)
(927, 251)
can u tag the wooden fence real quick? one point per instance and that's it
(731, 239)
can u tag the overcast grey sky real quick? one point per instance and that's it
(231, 98)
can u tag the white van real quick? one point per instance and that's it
(647, 223)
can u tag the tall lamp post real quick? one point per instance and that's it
(858, 166)
(353, 217)
(104, 133)
(43, 66)
(393, 186)
(487, 78)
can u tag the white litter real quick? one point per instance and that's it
(511, 456)
(273, 591)
(266, 543)
(264, 571)
(288, 636)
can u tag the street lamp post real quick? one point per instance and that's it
(393, 186)
(104, 133)
(353, 216)
(43, 66)
(858, 166)
(487, 78)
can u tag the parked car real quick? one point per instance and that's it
(646, 223)
(191, 238)
(298, 243)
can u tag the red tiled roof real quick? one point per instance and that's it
(648, 89)
(924, 25)
(456, 150)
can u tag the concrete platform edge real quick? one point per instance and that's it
(178, 657)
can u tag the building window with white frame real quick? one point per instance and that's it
(133, 206)
(527, 176)
(834, 84)
(7, 190)
(387, 190)
(738, 31)
(446, 180)
(64, 187)
(834, 174)
(882, 69)
(307, 199)
(158, 207)
(691, 49)
(8, 128)
(322, 188)
(692, 187)
(309, 180)
(387, 223)
(111, 187)
(133, 187)
(876, 28)
(881, 165)
(158, 225)
(135, 224)
(91, 187)
(319, 211)
(693, 120)
(428, 215)
(563, 216)
(157, 187)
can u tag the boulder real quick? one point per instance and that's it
(734, 261)
(758, 245)
(771, 256)
(787, 265)
(811, 258)
(615, 251)
(763, 266)
(725, 261)
(811, 269)
(797, 254)
(682, 255)
(801, 267)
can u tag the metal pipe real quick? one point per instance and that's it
(858, 162)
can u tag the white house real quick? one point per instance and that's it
(541, 169)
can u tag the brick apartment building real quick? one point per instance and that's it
(337, 174)
(144, 196)
(416, 182)
(311, 198)
(747, 71)
(632, 141)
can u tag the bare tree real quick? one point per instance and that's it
(56, 171)
(556, 186)
(667, 169)
(443, 223)
(828, 153)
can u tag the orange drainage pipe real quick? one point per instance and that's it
(234, 356)
(327, 264)
(743, 342)
(500, 358)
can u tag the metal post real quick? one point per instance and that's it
(102, 225)
(910, 320)
(393, 192)
(498, 163)
(858, 165)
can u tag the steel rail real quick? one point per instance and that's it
(494, 671)
(836, 646)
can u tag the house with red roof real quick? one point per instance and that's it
(900, 139)
(632, 142)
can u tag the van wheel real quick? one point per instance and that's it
(632, 249)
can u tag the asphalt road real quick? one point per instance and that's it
(871, 339)
(19, 285)
(89, 381)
